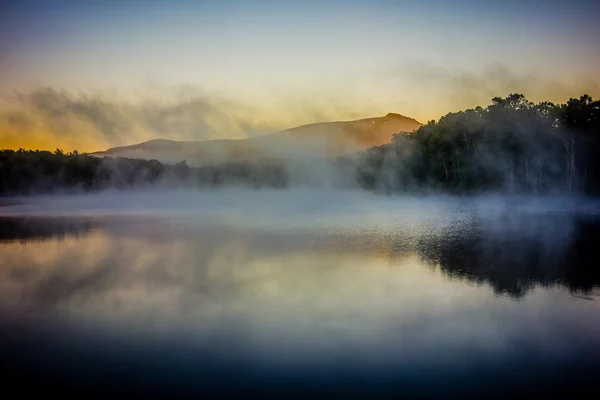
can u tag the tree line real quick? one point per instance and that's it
(511, 146)
(25, 172)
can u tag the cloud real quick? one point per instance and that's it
(55, 116)
(49, 118)
(439, 89)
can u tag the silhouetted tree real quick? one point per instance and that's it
(35, 172)
(512, 145)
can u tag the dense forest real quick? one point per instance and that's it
(39, 172)
(511, 146)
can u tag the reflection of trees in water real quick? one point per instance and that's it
(513, 253)
(43, 228)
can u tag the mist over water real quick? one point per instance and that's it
(230, 291)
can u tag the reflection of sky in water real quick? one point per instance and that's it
(416, 292)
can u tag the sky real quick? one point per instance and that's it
(91, 74)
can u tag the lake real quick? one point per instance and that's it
(319, 293)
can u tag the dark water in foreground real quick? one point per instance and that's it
(449, 303)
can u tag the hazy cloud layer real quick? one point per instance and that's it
(48, 117)
(443, 89)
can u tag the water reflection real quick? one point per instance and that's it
(516, 252)
(512, 253)
(372, 308)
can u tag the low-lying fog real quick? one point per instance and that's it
(288, 207)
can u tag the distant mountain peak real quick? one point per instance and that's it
(396, 115)
(322, 139)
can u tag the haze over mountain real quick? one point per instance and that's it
(318, 140)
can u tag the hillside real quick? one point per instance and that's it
(324, 139)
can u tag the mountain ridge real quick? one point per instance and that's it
(318, 139)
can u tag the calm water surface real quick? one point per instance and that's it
(378, 296)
